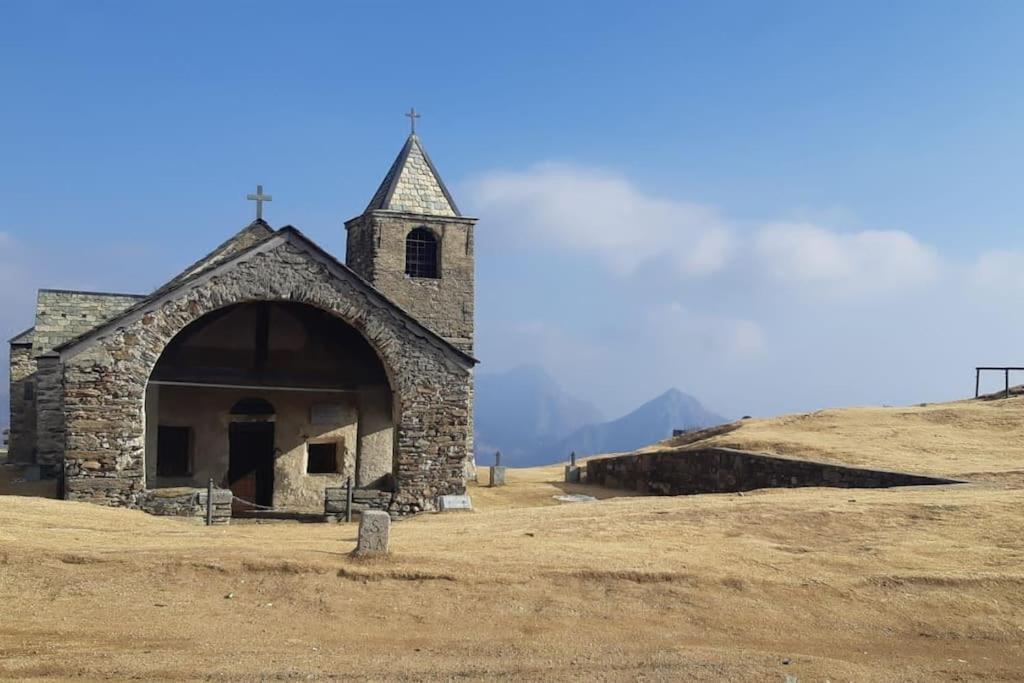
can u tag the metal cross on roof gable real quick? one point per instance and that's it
(259, 198)
(412, 118)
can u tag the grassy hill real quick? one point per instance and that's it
(973, 439)
(919, 583)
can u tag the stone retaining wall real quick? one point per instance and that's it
(722, 470)
(187, 502)
(362, 499)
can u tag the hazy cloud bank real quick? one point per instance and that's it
(767, 316)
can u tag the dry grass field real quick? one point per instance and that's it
(922, 583)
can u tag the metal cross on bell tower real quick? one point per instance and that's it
(412, 118)
(259, 198)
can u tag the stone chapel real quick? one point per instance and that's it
(267, 366)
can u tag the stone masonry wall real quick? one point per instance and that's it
(49, 414)
(22, 442)
(187, 502)
(60, 315)
(444, 304)
(362, 499)
(105, 378)
(63, 315)
(360, 247)
(723, 470)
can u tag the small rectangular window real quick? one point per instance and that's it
(322, 458)
(172, 451)
(29, 391)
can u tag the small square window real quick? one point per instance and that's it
(29, 391)
(172, 451)
(322, 458)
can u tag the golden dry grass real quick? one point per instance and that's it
(964, 439)
(922, 583)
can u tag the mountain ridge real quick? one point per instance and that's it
(532, 420)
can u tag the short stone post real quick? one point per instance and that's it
(497, 471)
(573, 474)
(374, 531)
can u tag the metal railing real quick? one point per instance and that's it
(1006, 374)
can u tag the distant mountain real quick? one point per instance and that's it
(519, 411)
(651, 422)
(526, 415)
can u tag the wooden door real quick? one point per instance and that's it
(251, 464)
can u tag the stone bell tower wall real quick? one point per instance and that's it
(376, 251)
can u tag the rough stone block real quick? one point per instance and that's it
(447, 503)
(573, 474)
(374, 532)
(497, 475)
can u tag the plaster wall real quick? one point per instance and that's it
(207, 412)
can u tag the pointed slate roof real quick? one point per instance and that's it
(22, 338)
(413, 185)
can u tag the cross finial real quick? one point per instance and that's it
(412, 118)
(259, 198)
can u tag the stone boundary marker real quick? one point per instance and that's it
(374, 533)
(497, 475)
(497, 471)
(573, 473)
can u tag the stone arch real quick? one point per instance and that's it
(253, 406)
(283, 361)
(105, 374)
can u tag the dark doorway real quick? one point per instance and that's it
(251, 464)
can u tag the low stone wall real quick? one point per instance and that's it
(724, 470)
(187, 502)
(362, 499)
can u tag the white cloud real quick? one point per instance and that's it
(998, 270)
(595, 211)
(723, 335)
(804, 254)
(586, 210)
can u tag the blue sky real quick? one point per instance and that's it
(774, 206)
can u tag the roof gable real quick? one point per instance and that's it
(295, 238)
(413, 185)
(22, 338)
(251, 234)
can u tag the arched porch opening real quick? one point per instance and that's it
(277, 400)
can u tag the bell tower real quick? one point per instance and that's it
(414, 245)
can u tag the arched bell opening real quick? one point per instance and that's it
(276, 400)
